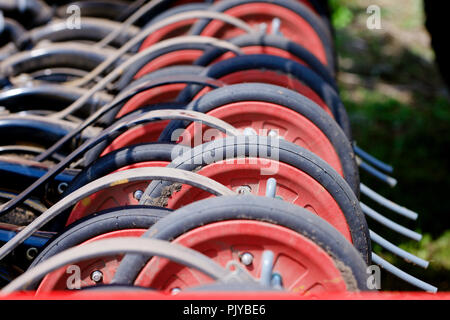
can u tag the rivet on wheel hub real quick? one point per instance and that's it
(97, 276)
(246, 258)
(138, 194)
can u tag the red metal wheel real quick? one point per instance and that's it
(293, 186)
(114, 196)
(303, 265)
(257, 115)
(265, 116)
(292, 26)
(58, 279)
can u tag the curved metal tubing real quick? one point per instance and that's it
(389, 223)
(109, 247)
(392, 182)
(113, 75)
(388, 203)
(398, 251)
(123, 97)
(117, 128)
(372, 160)
(161, 24)
(402, 274)
(110, 180)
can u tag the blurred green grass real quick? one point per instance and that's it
(400, 112)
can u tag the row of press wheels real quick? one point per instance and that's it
(182, 145)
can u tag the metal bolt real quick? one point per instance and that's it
(246, 258)
(271, 188)
(62, 187)
(138, 194)
(175, 290)
(31, 253)
(276, 281)
(97, 276)
(244, 190)
(276, 25)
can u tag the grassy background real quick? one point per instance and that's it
(400, 112)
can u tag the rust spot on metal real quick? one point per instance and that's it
(86, 201)
(115, 183)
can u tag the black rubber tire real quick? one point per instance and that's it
(157, 74)
(36, 133)
(288, 153)
(110, 117)
(321, 28)
(286, 98)
(130, 217)
(51, 97)
(249, 207)
(262, 61)
(120, 158)
(275, 41)
(168, 71)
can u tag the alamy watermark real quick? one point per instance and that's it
(374, 20)
(373, 281)
(73, 20)
(73, 281)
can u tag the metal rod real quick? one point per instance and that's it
(390, 224)
(402, 274)
(392, 182)
(271, 188)
(387, 203)
(266, 268)
(398, 251)
(372, 160)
